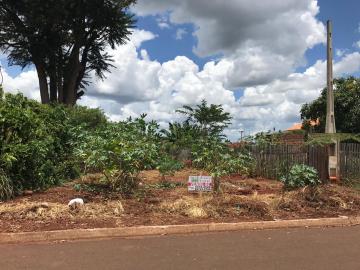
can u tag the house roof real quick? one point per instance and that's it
(296, 126)
(299, 126)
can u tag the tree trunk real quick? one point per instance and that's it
(60, 87)
(71, 74)
(53, 87)
(43, 84)
(70, 88)
(53, 79)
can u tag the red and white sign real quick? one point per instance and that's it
(200, 184)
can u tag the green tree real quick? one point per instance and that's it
(347, 107)
(65, 40)
(211, 120)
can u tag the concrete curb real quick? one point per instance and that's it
(81, 234)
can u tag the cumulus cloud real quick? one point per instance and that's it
(278, 104)
(357, 45)
(134, 78)
(262, 39)
(26, 82)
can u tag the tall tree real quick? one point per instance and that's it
(65, 40)
(210, 119)
(347, 107)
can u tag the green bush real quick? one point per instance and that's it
(242, 163)
(215, 156)
(168, 166)
(301, 175)
(86, 117)
(37, 141)
(6, 187)
(121, 151)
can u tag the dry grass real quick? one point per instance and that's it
(188, 206)
(329, 197)
(50, 211)
(221, 206)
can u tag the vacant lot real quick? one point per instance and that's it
(165, 203)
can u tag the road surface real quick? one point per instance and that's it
(315, 249)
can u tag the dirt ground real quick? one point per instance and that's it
(167, 203)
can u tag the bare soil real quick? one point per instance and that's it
(157, 203)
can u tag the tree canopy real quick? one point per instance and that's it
(65, 40)
(347, 107)
(210, 119)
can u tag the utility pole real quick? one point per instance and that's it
(241, 132)
(330, 127)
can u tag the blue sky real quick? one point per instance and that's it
(344, 15)
(261, 59)
(346, 32)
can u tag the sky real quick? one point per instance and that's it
(262, 60)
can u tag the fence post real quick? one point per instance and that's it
(287, 162)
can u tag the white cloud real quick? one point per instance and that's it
(340, 52)
(163, 21)
(264, 40)
(180, 33)
(26, 82)
(357, 45)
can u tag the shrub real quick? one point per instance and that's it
(242, 163)
(301, 175)
(37, 141)
(168, 166)
(218, 159)
(6, 187)
(121, 151)
(86, 117)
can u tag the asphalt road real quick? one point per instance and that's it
(315, 249)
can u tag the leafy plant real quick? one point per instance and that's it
(121, 151)
(242, 163)
(37, 141)
(168, 166)
(219, 160)
(179, 138)
(6, 187)
(301, 175)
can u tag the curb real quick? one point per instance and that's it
(82, 234)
